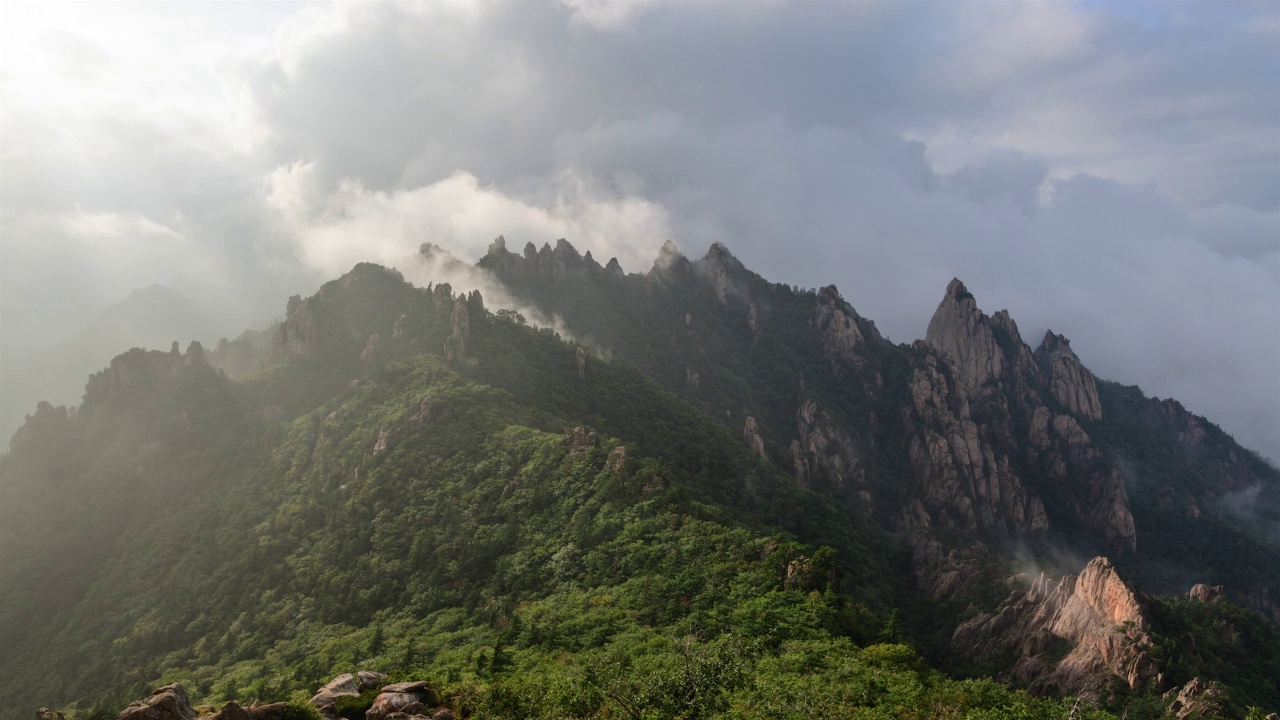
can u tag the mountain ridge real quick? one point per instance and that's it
(784, 410)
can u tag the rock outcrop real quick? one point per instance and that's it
(578, 442)
(822, 456)
(1204, 593)
(345, 685)
(719, 268)
(669, 258)
(616, 461)
(751, 436)
(1072, 636)
(297, 336)
(455, 346)
(368, 355)
(139, 367)
(837, 324)
(233, 711)
(167, 703)
(410, 699)
(1067, 379)
(1196, 699)
(342, 686)
(1100, 496)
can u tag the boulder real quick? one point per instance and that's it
(344, 685)
(168, 703)
(1205, 593)
(392, 702)
(369, 680)
(230, 711)
(418, 687)
(233, 711)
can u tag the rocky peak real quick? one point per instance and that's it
(135, 367)
(195, 354)
(959, 329)
(435, 254)
(669, 258)
(837, 322)
(721, 268)
(46, 421)
(1096, 614)
(1101, 587)
(558, 263)
(1070, 381)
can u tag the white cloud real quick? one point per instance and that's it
(1107, 170)
(353, 224)
(605, 14)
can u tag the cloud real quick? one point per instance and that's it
(1110, 171)
(353, 224)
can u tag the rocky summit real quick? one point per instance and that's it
(688, 492)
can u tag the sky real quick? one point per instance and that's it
(1108, 170)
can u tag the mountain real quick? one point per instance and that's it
(1003, 447)
(709, 495)
(151, 317)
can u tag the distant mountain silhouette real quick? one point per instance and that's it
(150, 317)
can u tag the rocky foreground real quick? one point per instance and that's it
(396, 701)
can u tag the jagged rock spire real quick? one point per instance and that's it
(1067, 378)
(959, 329)
(668, 257)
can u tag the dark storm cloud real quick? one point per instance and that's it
(1107, 171)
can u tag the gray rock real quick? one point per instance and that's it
(418, 687)
(167, 703)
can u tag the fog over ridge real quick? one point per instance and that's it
(1112, 172)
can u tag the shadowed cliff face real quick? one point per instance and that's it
(1009, 389)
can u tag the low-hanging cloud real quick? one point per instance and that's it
(333, 231)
